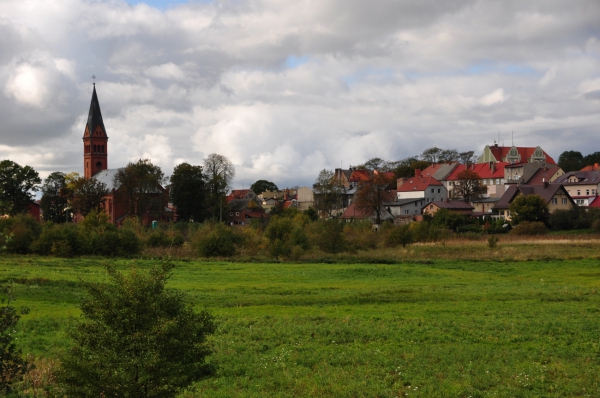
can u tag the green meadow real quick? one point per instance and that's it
(418, 328)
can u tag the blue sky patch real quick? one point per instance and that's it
(165, 4)
(293, 61)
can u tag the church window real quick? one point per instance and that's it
(98, 164)
(102, 148)
(94, 148)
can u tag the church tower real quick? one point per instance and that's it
(95, 141)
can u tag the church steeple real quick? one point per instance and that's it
(95, 140)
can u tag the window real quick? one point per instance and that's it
(564, 201)
(406, 211)
(430, 207)
(416, 204)
(439, 190)
(432, 190)
(554, 201)
(587, 191)
(484, 181)
(497, 181)
(231, 213)
(578, 192)
(593, 191)
(237, 213)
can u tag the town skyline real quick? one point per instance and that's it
(285, 91)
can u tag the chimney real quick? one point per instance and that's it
(400, 182)
(545, 184)
(595, 166)
(418, 173)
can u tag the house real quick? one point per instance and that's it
(457, 206)
(514, 154)
(305, 198)
(484, 206)
(555, 196)
(583, 186)
(427, 188)
(95, 164)
(353, 213)
(405, 207)
(241, 211)
(531, 173)
(440, 171)
(342, 177)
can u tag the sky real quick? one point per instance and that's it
(285, 89)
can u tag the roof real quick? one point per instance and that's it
(107, 177)
(359, 176)
(451, 205)
(353, 212)
(591, 167)
(402, 202)
(418, 184)
(94, 116)
(595, 202)
(583, 177)
(501, 152)
(238, 204)
(439, 171)
(238, 194)
(485, 170)
(543, 174)
(546, 191)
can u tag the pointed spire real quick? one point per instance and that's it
(95, 116)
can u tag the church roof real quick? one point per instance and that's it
(94, 116)
(108, 177)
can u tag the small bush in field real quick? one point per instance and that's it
(327, 235)
(129, 243)
(360, 235)
(493, 241)
(530, 228)
(215, 241)
(596, 225)
(158, 238)
(24, 229)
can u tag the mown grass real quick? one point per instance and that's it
(431, 325)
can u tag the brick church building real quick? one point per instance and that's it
(95, 164)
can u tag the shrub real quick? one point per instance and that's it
(530, 228)
(327, 235)
(63, 240)
(158, 238)
(24, 229)
(279, 228)
(399, 236)
(493, 241)
(596, 225)
(215, 240)
(129, 243)
(360, 236)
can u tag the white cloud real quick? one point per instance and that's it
(495, 97)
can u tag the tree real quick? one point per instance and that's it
(54, 202)
(328, 193)
(373, 194)
(16, 186)
(590, 159)
(88, 195)
(136, 339)
(261, 186)
(189, 192)
(431, 155)
(467, 157)
(469, 186)
(219, 173)
(12, 364)
(571, 161)
(528, 208)
(140, 188)
(448, 155)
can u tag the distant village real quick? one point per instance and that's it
(481, 186)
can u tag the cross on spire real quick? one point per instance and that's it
(94, 79)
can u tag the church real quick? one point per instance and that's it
(95, 165)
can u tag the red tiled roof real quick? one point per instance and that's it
(543, 175)
(359, 176)
(591, 167)
(595, 202)
(237, 194)
(352, 212)
(485, 170)
(500, 152)
(418, 184)
(451, 205)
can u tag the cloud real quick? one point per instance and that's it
(285, 89)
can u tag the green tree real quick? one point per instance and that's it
(261, 186)
(328, 193)
(571, 161)
(140, 188)
(54, 202)
(591, 159)
(12, 364)
(188, 191)
(219, 173)
(16, 186)
(88, 195)
(136, 339)
(528, 208)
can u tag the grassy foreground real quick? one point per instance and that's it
(434, 328)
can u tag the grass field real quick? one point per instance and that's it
(429, 328)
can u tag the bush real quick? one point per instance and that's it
(129, 243)
(596, 226)
(360, 235)
(530, 228)
(327, 235)
(215, 240)
(493, 241)
(24, 229)
(399, 236)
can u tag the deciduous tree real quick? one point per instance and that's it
(328, 193)
(571, 161)
(140, 188)
(219, 173)
(54, 202)
(88, 194)
(373, 194)
(189, 191)
(136, 339)
(12, 364)
(16, 187)
(261, 186)
(469, 186)
(528, 208)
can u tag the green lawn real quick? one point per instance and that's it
(444, 328)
